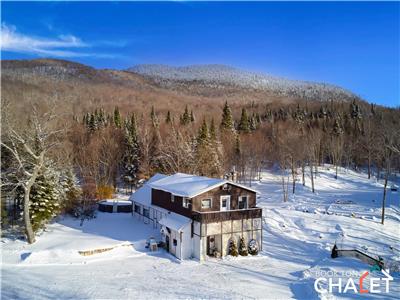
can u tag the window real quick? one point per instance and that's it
(185, 202)
(225, 202)
(137, 209)
(172, 198)
(146, 213)
(242, 202)
(175, 242)
(206, 203)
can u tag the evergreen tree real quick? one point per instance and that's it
(213, 131)
(92, 125)
(227, 119)
(117, 118)
(356, 116)
(131, 157)
(242, 247)
(233, 251)
(185, 118)
(153, 117)
(155, 144)
(45, 198)
(168, 119)
(337, 127)
(72, 191)
(102, 118)
(202, 137)
(244, 124)
(253, 123)
(355, 110)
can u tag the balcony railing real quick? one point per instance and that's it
(218, 216)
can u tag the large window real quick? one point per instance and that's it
(243, 202)
(206, 203)
(185, 202)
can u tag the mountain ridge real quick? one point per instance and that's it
(210, 80)
(224, 74)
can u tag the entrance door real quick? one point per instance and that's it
(167, 243)
(225, 203)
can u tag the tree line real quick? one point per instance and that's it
(52, 165)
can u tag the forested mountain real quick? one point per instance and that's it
(163, 86)
(214, 75)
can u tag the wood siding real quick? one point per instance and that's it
(215, 195)
(163, 199)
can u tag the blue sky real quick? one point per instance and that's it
(354, 45)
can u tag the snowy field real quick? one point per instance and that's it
(298, 238)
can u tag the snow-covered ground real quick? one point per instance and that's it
(298, 237)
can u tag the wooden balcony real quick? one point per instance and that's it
(218, 216)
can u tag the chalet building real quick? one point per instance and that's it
(198, 215)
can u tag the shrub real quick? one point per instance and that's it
(104, 192)
(242, 247)
(253, 247)
(233, 248)
(86, 209)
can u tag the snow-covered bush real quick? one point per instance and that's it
(86, 209)
(253, 247)
(233, 248)
(242, 247)
(72, 191)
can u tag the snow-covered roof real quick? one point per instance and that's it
(187, 185)
(174, 221)
(143, 194)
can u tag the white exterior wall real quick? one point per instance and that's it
(196, 241)
(186, 242)
(196, 245)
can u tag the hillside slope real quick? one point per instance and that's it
(298, 236)
(212, 75)
(79, 88)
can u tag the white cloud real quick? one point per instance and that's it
(62, 46)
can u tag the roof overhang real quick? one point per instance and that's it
(206, 189)
(174, 221)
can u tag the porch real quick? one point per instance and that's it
(218, 216)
